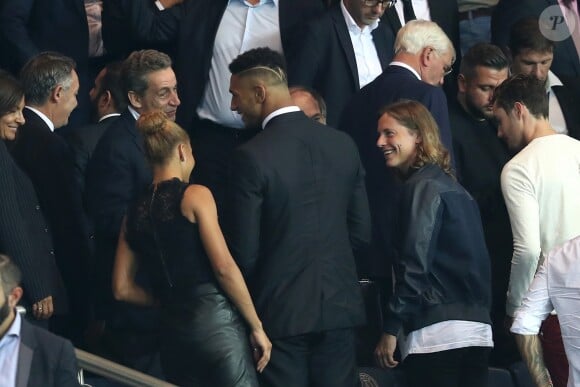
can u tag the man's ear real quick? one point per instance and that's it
(519, 110)
(105, 100)
(56, 93)
(461, 83)
(260, 93)
(14, 296)
(134, 99)
(426, 56)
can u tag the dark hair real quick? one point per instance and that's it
(11, 93)
(10, 275)
(137, 66)
(111, 82)
(415, 117)
(525, 34)
(484, 55)
(525, 89)
(263, 62)
(42, 73)
(160, 135)
(315, 95)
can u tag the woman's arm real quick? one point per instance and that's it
(124, 286)
(199, 206)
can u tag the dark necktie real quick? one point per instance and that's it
(408, 11)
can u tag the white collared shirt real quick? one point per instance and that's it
(555, 114)
(43, 116)
(556, 285)
(404, 65)
(109, 115)
(420, 7)
(9, 348)
(367, 59)
(134, 113)
(276, 113)
(243, 27)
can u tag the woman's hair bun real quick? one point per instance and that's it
(152, 123)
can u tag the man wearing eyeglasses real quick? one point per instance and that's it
(344, 50)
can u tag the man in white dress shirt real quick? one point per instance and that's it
(555, 286)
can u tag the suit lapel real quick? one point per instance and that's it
(25, 355)
(391, 17)
(381, 44)
(345, 42)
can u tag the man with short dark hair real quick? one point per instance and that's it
(116, 175)
(298, 209)
(541, 187)
(310, 102)
(533, 53)
(108, 103)
(51, 86)
(29, 356)
(479, 159)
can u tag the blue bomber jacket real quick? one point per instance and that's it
(442, 267)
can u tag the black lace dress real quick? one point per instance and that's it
(203, 339)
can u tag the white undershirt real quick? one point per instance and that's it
(367, 59)
(242, 27)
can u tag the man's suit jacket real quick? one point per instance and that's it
(298, 208)
(44, 359)
(568, 95)
(195, 26)
(83, 142)
(28, 27)
(117, 173)
(359, 119)
(446, 14)
(566, 62)
(25, 237)
(45, 157)
(326, 61)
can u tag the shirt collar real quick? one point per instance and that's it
(262, 2)
(16, 326)
(351, 24)
(552, 80)
(404, 65)
(134, 113)
(43, 116)
(275, 113)
(109, 115)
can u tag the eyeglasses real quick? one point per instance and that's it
(385, 3)
(447, 70)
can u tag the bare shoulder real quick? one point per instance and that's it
(197, 198)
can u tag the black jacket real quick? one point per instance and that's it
(442, 267)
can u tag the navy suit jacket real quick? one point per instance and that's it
(44, 359)
(566, 62)
(359, 119)
(194, 24)
(326, 61)
(45, 157)
(298, 209)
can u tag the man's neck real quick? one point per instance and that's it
(541, 128)
(463, 105)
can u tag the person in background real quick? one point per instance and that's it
(310, 102)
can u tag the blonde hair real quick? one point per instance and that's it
(417, 119)
(160, 136)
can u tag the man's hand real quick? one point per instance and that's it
(384, 353)
(43, 309)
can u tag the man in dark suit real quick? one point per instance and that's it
(51, 85)
(342, 52)
(210, 34)
(532, 53)
(108, 102)
(29, 356)
(117, 173)
(424, 56)
(298, 209)
(566, 56)
(479, 158)
(443, 12)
